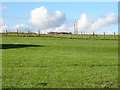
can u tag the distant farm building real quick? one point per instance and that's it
(59, 33)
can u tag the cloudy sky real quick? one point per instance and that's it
(96, 17)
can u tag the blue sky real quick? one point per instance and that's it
(19, 12)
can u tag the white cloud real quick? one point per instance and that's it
(89, 24)
(110, 32)
(62, 28)
(84, 22)
(19, 27)
(43, 19)
(3, 28)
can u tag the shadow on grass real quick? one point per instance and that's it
(11, 46)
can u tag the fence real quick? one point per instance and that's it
(69, 35)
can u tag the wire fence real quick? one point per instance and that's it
(68, 35)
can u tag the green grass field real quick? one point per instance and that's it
(44, 62)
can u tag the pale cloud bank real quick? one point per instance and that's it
(45, 21)
(89, 24)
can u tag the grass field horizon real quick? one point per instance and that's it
(49, 62)
(68, 36)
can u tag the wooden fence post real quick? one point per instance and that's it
(114, 35)
(71, 35)
(39, 32)
(81, 35)
(94, 35)
(28, 31)
(104, 35)
(17, 32)
(6, 32)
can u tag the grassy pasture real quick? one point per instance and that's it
(44, 62)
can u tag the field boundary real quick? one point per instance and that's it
(67, 36)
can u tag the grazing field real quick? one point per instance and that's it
(48, 62)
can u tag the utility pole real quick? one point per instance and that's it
(76, 27)
(39, 32)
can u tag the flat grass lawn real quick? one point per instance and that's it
(41, 62)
